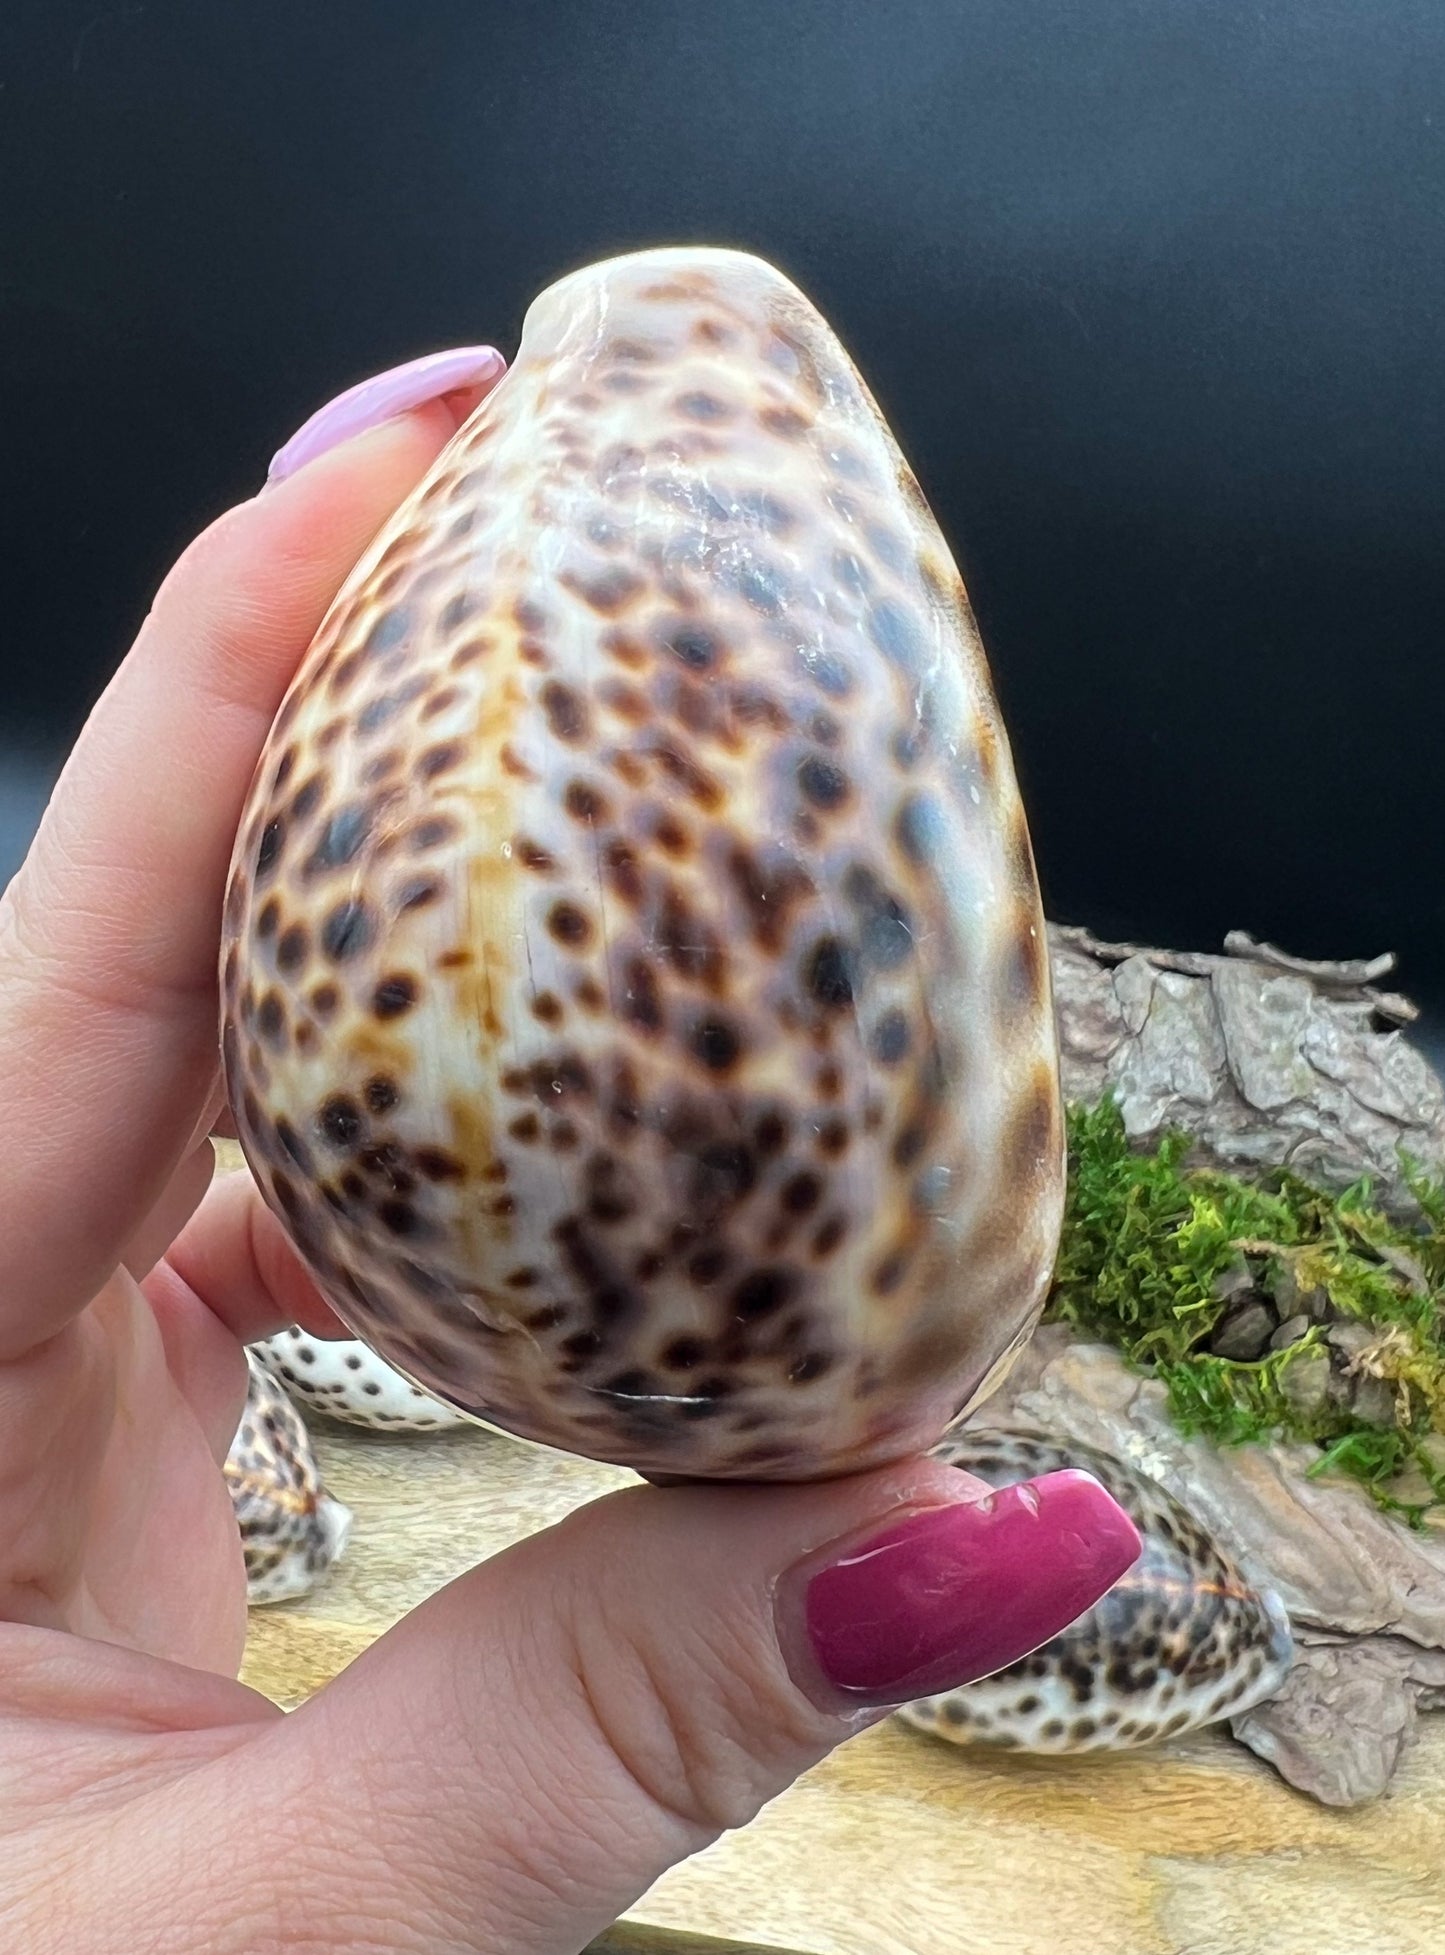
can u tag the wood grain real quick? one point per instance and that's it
(901, 1845)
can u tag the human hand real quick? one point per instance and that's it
(522, 1756)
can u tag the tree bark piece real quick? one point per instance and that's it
(1267, 1060)
(1346, 1716)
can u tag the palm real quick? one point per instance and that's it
(111, 1498)
(118, 1398)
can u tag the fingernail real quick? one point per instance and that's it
(955, 1593)
(383, 397)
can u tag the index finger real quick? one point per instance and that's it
(109, 933)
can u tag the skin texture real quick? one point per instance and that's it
(636, 1006)
(523, 1756)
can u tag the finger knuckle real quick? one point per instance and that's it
(702, 1718)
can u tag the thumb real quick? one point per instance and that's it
(524, 1755)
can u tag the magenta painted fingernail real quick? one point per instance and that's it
(381, 398)
(955, 1593)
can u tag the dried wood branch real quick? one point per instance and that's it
(1266, 1059)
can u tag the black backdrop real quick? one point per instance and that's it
(1151, 290)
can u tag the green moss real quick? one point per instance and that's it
(1155, 1255)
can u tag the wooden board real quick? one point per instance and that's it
(901, 1845)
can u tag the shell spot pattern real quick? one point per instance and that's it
(1181, 1641)
(291, 1529)
(634, 893)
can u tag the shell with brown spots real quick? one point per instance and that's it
(634, 994)
(1183, 1640)
(291, 1528)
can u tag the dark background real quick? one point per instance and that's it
(1150, 289)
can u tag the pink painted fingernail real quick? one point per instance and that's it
(955, 1593)
(381, 398)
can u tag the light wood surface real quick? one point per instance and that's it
(901, 1845)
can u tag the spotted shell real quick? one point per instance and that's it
(292, 1530)
(344, 1379)
(636, 1004)
(1182, 1640)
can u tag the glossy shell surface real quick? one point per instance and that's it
(292, 1530)
(344, 1379)
(1182, 1640)
(636, 1003)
